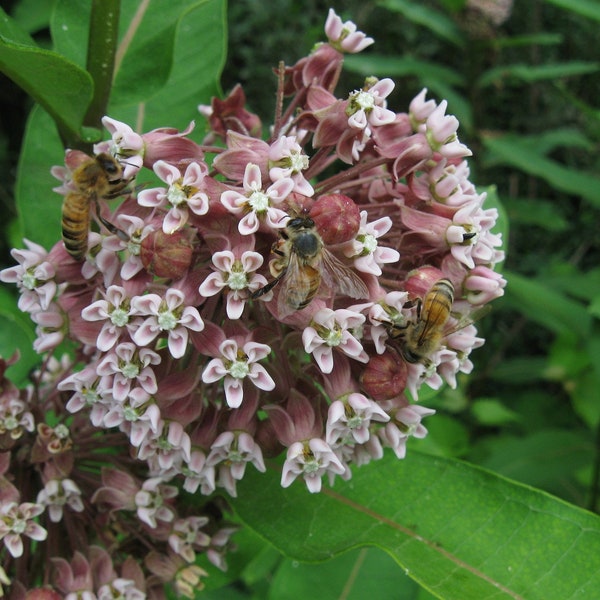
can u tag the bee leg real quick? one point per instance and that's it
(112, 228)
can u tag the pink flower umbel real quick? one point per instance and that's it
(268, 299)
(184, 193)
(235, 365)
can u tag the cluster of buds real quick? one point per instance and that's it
(279, 299)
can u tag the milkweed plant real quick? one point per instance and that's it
(181, 376)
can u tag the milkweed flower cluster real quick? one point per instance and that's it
(237, 310)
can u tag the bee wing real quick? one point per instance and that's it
(339, 277)
(466, 320)
(294, 288)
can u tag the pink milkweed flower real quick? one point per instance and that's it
(184, 192)
(17, 520)
(482, 285)
(187, 535)
(406, 422)
(125, 144)
(230, 114)
(311, 460)
(116, 312)
(288, 160)
(58, 493)
(235, 365)
(255, 204)
(135, 230)
(168, 315)
(368, 255)
(34, 277)
(125, 366)
(230, 453)
(150, 502)
(241, 150)
(367, 107)
(344, 36)
(440, 130)
(331, 329)
(236, 275)
(348, 419)
(15, 419)
(171, 145)
(166, 449)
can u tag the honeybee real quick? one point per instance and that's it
(100, 176)
(420, 338)
(301, 265)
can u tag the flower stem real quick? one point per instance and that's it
(102, 46)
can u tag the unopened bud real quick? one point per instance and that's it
(384, 377)
(42, 594)
(166, 255)
(336, 217)
(420, 281)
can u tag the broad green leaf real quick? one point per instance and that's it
(16, 333)
(585, 8)
(519, 370)
(349, 576)
(56, 83)
(38, 207)
(533, 73)
(492, 412)
(461, 532)
(546, 306)
(536, 212)
(32, 15)
(199, 56)
(512, 151)
(434, 20)
(584, 395)
(546, 459)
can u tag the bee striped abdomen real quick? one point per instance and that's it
(75, 224)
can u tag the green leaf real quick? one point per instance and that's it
(435, 21)
(16, 333)
(38, 207)
(56, 83)
(536, 212)
(548, 459)
(532, 73)
(513, 151)
(199, 56)
(492, 412)
(349, 576)
(459, 531)
(585, 8)
(545, 306)
(530, 39)
(32, 15)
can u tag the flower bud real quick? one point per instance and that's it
(384, 377)
(419, 281)
(166, 255)
(336, 217)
